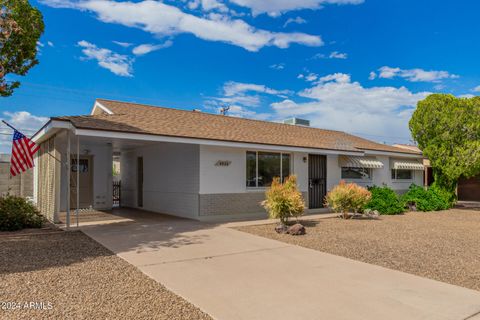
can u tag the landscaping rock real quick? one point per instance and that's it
(281, 228)
(296, 230)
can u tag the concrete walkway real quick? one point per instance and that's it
(233, 275)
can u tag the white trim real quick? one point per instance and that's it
(101, 106)
(49, 126)
(159, 138)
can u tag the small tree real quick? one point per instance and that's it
(347, 197)
(284, 200)
(447, 130)
(21, 26)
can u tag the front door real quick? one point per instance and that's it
(317, 180)
(85, 182)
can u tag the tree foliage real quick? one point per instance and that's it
(21, 26)
(447, 130)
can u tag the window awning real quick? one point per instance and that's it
(407, 165)
(359, 162)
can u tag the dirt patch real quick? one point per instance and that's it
(70, 276)
(439, 245)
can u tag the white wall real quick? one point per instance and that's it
(170, 180)
(334, 172)
(222, 179)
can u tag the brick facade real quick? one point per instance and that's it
(233, 203)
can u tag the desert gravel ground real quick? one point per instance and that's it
(443, 245)
(81, 280)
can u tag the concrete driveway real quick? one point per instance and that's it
(234, 275)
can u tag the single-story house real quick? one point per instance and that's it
(199, 165)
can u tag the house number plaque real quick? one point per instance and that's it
(223, 163)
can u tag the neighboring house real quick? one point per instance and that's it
(199, 165)
(467, 189)
(20, 185)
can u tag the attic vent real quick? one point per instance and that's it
(297, 122)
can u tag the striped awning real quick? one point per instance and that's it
(407, 165)
(359, 162)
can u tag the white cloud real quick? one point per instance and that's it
(476, 89)
(439, 87)
(309, 77)
(414, 75)
(118, 64)
(372, 76)
(162, 19)
(338, 55)
(338, 103)
(123, 44)
(24, 121)
(275, 8)
(467, 95)
(50, 44)
(147, 48)
(332, 55)
(242, 96)
(278, 66)
(296, 20)
(233, 88)
(319, 56)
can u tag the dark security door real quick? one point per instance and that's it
(317, 180)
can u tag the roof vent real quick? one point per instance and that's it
(197, 110)
(297, 122)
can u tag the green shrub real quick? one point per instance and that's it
(284, 200)
(431, 199)
(347, 197)
(385, 201)
(17, 213)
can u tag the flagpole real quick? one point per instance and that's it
(13, 128)
(9, 125)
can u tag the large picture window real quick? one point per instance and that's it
(402, 174)
(262, 167)
(356, 173)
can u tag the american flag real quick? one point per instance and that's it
(23, 150)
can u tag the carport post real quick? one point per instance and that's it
(68, 179)
(78, 177)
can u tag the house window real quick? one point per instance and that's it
(356, 173)
(262, 167)
(402, 174)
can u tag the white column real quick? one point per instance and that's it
(68, 179)
(78, 176)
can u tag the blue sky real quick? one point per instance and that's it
(353, 65)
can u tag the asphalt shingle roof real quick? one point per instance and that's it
(139, 118)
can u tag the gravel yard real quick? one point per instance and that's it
(79, 279)
(444, 245)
